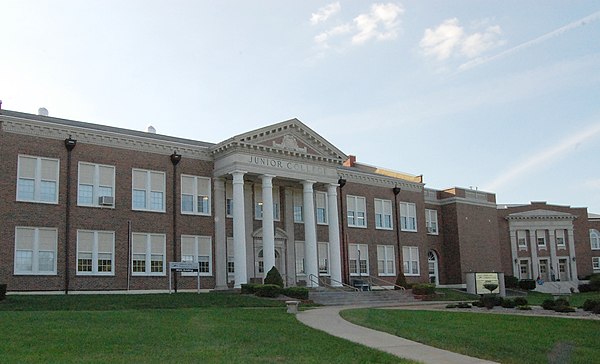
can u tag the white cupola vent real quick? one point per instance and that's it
(151, 129)
(42, 111)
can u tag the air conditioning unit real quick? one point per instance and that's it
(431, 230)
(106, 201)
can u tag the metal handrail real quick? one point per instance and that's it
(373, 278)
(320, 281)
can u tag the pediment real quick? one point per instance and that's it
(290, 137)
(541, 214)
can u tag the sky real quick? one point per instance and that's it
(500, 96)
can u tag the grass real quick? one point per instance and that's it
(503, 338)
(221, 328)
(575, 299)
(449, 294)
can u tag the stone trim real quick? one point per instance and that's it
(379, 180)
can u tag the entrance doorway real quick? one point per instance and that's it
(434, 276)
(544, 270)
(563, 269)
(261, 261)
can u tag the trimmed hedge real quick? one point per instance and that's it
(2, 291)
(249, 288)
(273, 277)
(267, 290)
(595, 282)
(423, 289)
(589, 304)
(584, 287)
(521, 301)
(300, 293)
(508, 303)
(401, 281)
(511, 282)
(527, 284)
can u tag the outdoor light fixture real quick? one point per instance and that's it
(341, 182)
(175, 158)
(396, 190)
(70, 143)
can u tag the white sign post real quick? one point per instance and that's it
(184, 267)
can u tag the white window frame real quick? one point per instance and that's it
(540, 234)
(228, 199)
(529, 273)
(386, 259)
(560, 239)
(35, 250)
(38, 179)
(298, 206)
(431, 222)
(258, 202)
(195, 193)
(410, 261)
(300, 258)
(148, 190)
(200, 244)
(323, 258)
(408, 216)
(230, 257)
(96, 184)
(522, 237)
(383, 214)
(358, 253)
(321, 208)
(594, 239)
(95, 253)
(356, 211)
(596, 264)
(148, 254)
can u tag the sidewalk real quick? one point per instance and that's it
(327, 319)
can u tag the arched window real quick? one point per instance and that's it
(595, 239)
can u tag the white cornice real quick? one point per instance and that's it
(462, 200)
(379, 180)
(270, 151)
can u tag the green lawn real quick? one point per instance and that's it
(222, 328)
(448, 294)
(575, 299)
(503, 338)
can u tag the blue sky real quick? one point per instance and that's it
(502, 96)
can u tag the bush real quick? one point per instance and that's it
(463, 305)
(508, 303)
(596, 309)
(268, 290)
(273, 277)
(561, 302)
(521, 301)
(589, 304)
(595, 282)
(564, 309)
(300, 293)
(584, 287)
(548, 304)
(401, 281)
(477, 303)
(452, 305)
(423, 289)
(527, 284)
(511, 282)
(491, 300)
(2, 291)
(249, 288)
(524, 308)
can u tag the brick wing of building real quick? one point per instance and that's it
(88, 207)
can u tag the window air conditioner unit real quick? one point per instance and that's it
(106, 200)
(430, 230)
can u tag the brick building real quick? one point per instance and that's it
(92, 207)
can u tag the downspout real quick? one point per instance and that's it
(396, 191)
(175, 159)
(342, 183)
(70, 145)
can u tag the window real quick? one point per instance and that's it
(148, 254)
(195, 195)
(300, 258)
(95, 252)
(37, 179)
(596, 263)
(541, 238)
(560, 239)
(383, 214)
(431, 221)
(321, 203)
(230, 257)
(595, 239)
(408, 216)
(385, 260)
(298, 202)
(35, 250)
(410, 256)
(258, 203)
(96, 185)
(323, 256)
(356, 207)
(522, 239)
(148, 190)
(229, 199)
(197, 249)
(358, 255)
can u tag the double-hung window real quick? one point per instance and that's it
(541, 238)
(560, 239)
(228, 199)
(358, 255)
(356, 211)
(596, 263)
(298, 202)
(323, 256)
(35, 250)
(197, 249)
(230, 257)
(321, 204)
(522, 239)
(408, 216)
(95, 252)
(96, 185)
(37, 179)
(148, 254)
(258, 206)
(595, 239)
(410, 259)
(385, 260)
(383, 214)
(148, 191)
(195, 195)
(299, 250)
(431, 222)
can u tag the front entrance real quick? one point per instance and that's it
(544, 270)
(434, 276)
(261, 262)
(563, 269)
(524, 269)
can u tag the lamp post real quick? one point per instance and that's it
(175, 159)
(396, 190)
(346, 274)
(70, 144)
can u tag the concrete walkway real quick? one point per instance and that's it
(328, 319)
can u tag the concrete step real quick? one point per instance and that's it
(362, 297)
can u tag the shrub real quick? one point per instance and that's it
(401, 281)
(300, 293)
(561, 302)
(2, 291)
(521, 301)
(595, 282)
(589, 304)
(548, 304)
(452, 305)
(491, 300)
(463, 305)
(564, 309)
(249, 288)
(423, 289)
(268, 290)
(273, 277)
(584, 287)
(596, 309)
(511, 282)
(524, 308)
(508, 303)
(527, 284)
(477, 303)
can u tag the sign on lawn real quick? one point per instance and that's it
(489, 279)
(184, 266)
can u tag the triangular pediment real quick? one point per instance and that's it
(540, 214)
(288, 137)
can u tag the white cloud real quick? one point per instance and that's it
(325, 13)
(380, 23)
(450, 38)
(322, 38)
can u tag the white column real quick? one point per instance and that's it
(239, 229)
(572, 259)
(335, 260)
(220, 239)
(553, 261)
(515, 255)
(535, 271)
(311, 263)
(267, 223)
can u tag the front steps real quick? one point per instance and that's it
(557, 288)
(380, 297)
